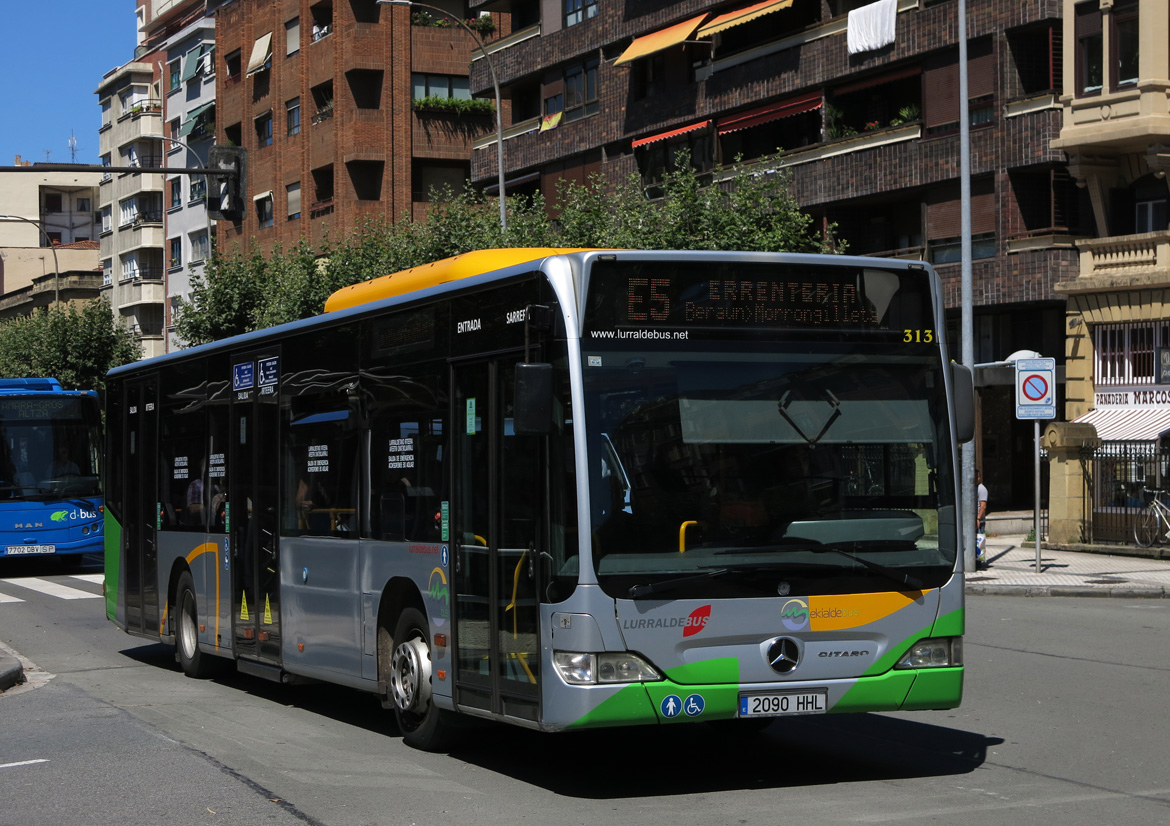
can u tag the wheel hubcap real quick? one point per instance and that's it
(410, 676)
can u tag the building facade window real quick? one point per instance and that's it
(175, 75)
(1090, 60)
(581, 91)
(292, 194)
(442, 86)
(264, 129)
(292, 36)
(577, 11)
(199, 246)
(175, 185)
(292, 116)
(1124, 44)
(1125, 354)
(264, 211)
(175, 247)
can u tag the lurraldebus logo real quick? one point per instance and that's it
(691, 624)
(794, 614)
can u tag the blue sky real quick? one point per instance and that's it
(53, 58)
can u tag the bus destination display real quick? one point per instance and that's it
(747, 296)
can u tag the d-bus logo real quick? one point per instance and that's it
(697, 621)
(794, 614)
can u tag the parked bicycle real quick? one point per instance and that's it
(1153, 524)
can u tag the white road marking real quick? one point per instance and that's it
(22, 763)
(52, 589)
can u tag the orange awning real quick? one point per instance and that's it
(665, 135)
(734, 18)
(773, 111)
(664, 39)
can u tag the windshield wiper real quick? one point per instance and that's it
(798, 544)
(901, 577)
(639, 591)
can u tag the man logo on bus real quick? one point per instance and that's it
(697, 621)
(794, 614)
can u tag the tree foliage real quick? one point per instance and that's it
(746, 211)
(77, 345)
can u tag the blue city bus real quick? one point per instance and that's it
(50, 492)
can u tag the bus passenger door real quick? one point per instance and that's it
(140, 532)
(498, 531)
(252, 501)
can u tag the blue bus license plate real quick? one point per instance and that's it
(780, 703)
(17, 550)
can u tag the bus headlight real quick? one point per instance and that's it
(943, 652)
(579, 668)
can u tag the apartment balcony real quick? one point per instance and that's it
(145, 287)
(1122, 262)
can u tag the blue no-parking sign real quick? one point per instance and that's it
(1036, 388)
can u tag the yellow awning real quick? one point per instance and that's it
(664, 39)
(734, 18)
(261, 52)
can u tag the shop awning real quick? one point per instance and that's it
(773, 111)
(734, 18)
(261, 53)
(659, 40)
(672, 133)
(1127, 424)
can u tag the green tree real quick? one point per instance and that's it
(77, 345)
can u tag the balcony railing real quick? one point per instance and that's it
(1144, 257)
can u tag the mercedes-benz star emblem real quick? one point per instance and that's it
(783, 655)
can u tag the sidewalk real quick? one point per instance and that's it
(1065, 573)
(11, 670)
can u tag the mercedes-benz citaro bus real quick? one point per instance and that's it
(50, 446)
(561, 489)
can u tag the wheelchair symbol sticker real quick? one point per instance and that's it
(693, 705)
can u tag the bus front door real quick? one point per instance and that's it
(142, 507)
(252, 498)
(498, 529)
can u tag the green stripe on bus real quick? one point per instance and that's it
(113, 554)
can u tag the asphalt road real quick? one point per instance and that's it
(1063, 723)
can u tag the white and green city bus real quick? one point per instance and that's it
(561, 489)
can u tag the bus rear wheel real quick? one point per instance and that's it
(193, 661)
(422, 724)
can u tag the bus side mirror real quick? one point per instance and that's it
(963, 390)
(532, 400)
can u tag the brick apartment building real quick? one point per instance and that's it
(321, 94)
(870, 138)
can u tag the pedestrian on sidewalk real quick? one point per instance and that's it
(980, 523)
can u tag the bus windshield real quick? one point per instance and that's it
(755, 470)
(50, 448)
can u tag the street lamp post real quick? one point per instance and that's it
(56, 266)
(495, 86)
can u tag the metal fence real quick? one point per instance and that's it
(1116, 476)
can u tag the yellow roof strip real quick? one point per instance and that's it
(437, 272)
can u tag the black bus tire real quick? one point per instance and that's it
(422, 724)
(193, 661)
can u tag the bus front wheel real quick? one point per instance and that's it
(193, 661)
(423, 725)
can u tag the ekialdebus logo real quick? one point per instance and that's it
(794, 614)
